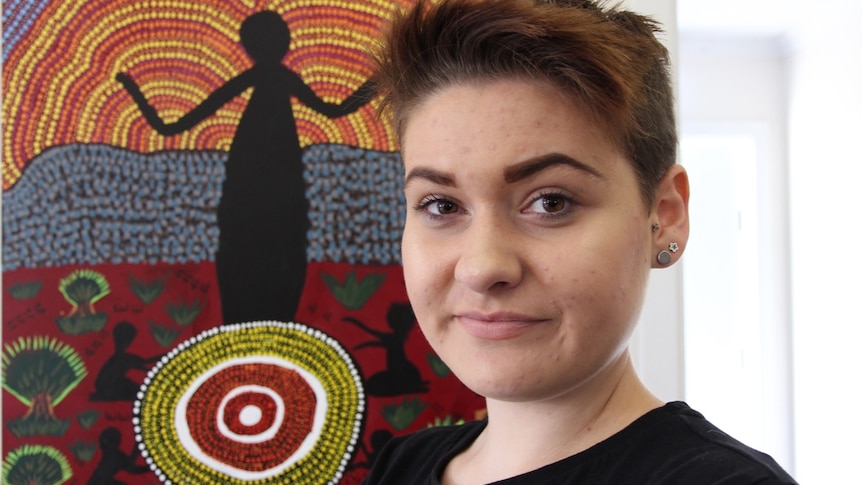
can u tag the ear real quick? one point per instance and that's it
(670, 212)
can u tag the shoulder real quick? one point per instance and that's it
(684, 447)
(419, 457)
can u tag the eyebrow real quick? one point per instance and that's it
(431, 175)
(512, 174)
(535, 165)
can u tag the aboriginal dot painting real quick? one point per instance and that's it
(201, 224)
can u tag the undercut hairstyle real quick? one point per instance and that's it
(608, 61)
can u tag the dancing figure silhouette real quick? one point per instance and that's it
(263, 212)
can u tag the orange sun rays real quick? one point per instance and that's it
(59, 82)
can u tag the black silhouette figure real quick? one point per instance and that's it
(113, 460)
(263, 212)
(378, 439)
(111, 382)
(400, 376)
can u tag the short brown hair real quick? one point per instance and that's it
(607, 60)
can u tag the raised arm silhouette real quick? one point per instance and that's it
(263, 212)
(400, 376)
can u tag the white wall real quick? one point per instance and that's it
(735, 87)
(809, 87)
(825, 113)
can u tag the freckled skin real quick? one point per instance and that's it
(573, 278)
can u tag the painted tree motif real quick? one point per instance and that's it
(36, 465)
(40, 372)
(82, 288)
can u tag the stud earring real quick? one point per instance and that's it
(664, 255)
(655, 227)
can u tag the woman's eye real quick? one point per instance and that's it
(553, 203)
(444, 207)
(550, 203)
(437, 206)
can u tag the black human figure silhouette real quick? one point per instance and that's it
(400, 376)
(113, 460)
(263, 212)
(379, 438)
(111, 382)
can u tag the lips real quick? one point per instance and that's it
(496, 326)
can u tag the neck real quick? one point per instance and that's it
(524, 436)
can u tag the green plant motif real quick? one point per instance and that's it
(147, 291)
(401, 415)
(184, 312)
(447, 421)
(40, 371)
(36, 465)
(163, 334)
(25, 290)
(437, 365)
(88, 418)
(83, 450)
(353, 293)
(82, 288)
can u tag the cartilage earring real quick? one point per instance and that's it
(664, 255)
(655, 227)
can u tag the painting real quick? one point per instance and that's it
(201, 218)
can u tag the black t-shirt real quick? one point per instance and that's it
(670, 445)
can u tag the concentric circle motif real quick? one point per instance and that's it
(260, 402)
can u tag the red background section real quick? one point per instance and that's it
(446, 398)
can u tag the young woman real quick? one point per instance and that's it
(539, 147)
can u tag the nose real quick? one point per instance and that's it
(488, 258)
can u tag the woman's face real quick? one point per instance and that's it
(527, 244)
